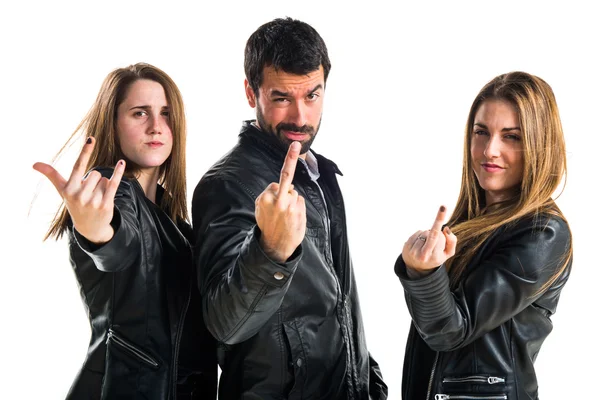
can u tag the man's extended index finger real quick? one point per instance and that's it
(289, 167)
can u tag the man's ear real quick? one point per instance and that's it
(250, 96)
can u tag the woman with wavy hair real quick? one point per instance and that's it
(129, 244)
(481, 289)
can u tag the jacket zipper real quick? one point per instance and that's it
(441, 396)
(178, 340)
(475, 378)
(437, 355)
(132, 349)
(341, 296)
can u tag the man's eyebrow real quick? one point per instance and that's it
(278, 93)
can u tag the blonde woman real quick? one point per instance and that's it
(129, 244)
(481, 290)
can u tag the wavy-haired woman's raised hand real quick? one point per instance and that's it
(426, 250)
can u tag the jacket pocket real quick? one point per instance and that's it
(297, 358)
(474, 379)
(473, 387)
(131, 349)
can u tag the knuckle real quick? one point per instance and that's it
(69, 192)
(281, 206)
(95, 174)
(285, 174)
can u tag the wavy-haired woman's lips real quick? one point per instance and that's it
(489, 167)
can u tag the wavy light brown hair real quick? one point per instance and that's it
(101, 123)
(545, 165)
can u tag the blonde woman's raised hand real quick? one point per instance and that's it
(89, 198)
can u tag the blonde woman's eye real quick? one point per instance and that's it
(139, 113)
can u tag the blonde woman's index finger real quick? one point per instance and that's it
(80, 167)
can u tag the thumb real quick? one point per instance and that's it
(451, 241)
(52, 174)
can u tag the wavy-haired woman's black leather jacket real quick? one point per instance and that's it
(291, 330)
(144, 309)
(481, 339)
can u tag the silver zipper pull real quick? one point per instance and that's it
(441, 397)
(494, 379)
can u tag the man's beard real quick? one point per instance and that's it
(282, 126)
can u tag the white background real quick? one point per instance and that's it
(402, 82)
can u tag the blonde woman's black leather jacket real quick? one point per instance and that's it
(481, 339)
(287, 331)
(144, 309)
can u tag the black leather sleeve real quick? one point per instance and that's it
(525, 257)
(378, 390)
(238, 282)
(124, 248)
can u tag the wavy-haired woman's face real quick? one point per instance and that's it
(143, 125)
(497, 150)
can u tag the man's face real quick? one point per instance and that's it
(289, 105)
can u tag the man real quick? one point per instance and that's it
(271, 244)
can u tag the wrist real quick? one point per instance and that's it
(273, 254)
(98, 237)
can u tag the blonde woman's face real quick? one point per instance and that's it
(143, 125)
(497, 150)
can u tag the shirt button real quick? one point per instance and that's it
(299, 362)
(278, 275)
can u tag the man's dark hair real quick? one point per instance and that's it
(285, 44)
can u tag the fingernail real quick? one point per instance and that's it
(448, 231)
(121, 162)
(295, 145)
(89, 140)
(442, 208)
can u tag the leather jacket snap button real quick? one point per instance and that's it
(299, 362)
(278, 275)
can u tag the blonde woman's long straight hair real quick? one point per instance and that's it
(544, 155)
(101, 123)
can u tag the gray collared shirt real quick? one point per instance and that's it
(312, 166)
